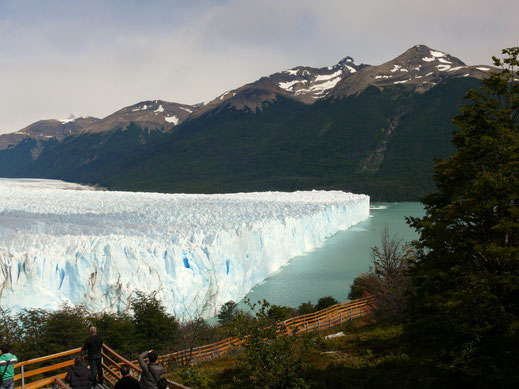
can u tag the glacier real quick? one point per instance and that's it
(68, 243)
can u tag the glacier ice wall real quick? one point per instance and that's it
(62, 242)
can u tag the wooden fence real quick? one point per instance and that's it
(321, 320)
(57, 371)
(32, 368)
(112, 361)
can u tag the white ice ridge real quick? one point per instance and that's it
(63, 242)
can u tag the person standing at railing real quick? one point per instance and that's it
(93, 345)
(127, 381)
(80, 376)
(7, 361)
(151, 372)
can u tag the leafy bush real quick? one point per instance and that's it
(325, 302)
(306, 308)
(270, 360)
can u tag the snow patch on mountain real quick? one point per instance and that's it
(326, 77)
(288, 85)
(172, 119)
(140, 108)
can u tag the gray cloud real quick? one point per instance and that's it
(94, 57)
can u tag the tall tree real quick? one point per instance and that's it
(155, 328)
(465, 307)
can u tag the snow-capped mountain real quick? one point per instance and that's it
(302, 83)
(154, 114)
(419, 68)
(47, 129)
(371, 121)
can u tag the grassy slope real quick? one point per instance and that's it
(369, 356)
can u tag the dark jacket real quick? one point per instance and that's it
(93, 345)
(80, 377)
(149, 371)
(127, 382)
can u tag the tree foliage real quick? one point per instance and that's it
(465, 310)
(271, 359)
(227, 312)
(387, 280)
(306, 308)
(153, 325)
(325, 302)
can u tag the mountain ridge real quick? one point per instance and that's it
(337, 127)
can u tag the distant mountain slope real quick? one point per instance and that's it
(301, 83)
(90, 156)
(46, 129)
(420, 68)
(155, 114)
(85, 148)
(377, 142)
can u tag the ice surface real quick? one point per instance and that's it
(65, 242)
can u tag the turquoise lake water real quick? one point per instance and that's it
(330, 269)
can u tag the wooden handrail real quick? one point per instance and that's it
(325, 318)
(46, 369)
(42, 382)
(330, 316)
(61, 383)
(47, 357)
(136, 368)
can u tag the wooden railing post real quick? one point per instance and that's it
(22, 371)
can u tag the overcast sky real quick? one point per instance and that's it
(94, 57)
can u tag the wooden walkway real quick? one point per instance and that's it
(58, 364)
(321, 320)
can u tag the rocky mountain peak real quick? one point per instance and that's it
(151, 114)
(346, 61)
(419, 68)
(302, 83)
